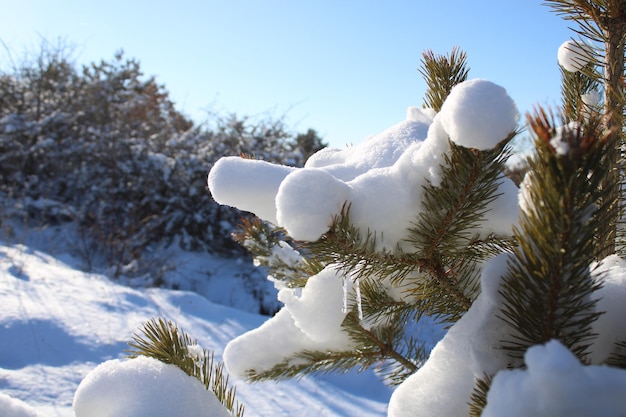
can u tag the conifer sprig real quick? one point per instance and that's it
(617, 358)
(382, 346)
(379, 339)
(266, 242)
(441, 73)
(573, 86)
(442, 270)
(478, 399)
(603, 23)
(444, 235)
(547, 292)
(164, 341)
(438, 276)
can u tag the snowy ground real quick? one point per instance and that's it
(57, 324)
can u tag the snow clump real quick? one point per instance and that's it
(13, 407)
(574, 56)
(143, 387)
(466, 121)
(381, 179)
(311, 320)
(556, 384)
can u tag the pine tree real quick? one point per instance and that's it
(437, 268)
(500, 295)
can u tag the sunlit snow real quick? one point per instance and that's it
(57, 325)
(573, 55)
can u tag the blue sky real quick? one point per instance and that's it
(345, 68)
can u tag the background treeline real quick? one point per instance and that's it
(104, 147)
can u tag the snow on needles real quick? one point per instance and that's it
(469, 350)
(556, 384)
(574, 56)
(311, 320)
(13, 407)
(382, 178)
(110, 390)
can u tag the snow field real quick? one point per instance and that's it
(58, 325)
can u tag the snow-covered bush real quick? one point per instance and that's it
(105, 147)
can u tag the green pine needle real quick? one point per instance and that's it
(441, 73)
(478, 399)
(262, 240)
(547, 292)
(165, 342)
(617, 358)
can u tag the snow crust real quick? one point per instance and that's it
(143, 387)
(382, 178)
(574, 56)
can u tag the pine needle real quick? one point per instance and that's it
(547, 292)
(165, 342)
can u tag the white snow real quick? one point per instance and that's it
(382, 178)
(573, 55)
(382, 181)
(247, 184)
(13, 407)
(592, 99)
(310, 320)
(556, 384)
(318, 310)
(110, 390)
(469, 349)
(63, 333)
(321, 196)
(610, 326)
(58, 324)
(479, 114)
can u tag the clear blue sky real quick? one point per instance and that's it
(345, 68)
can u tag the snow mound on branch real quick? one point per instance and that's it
(316, 188)
(318, 310)
(379, 151)
(12, 407)
(574, 56)
(311, 320)
(143, 387)
(381, 179)
(247, 184)
(556, 384)
(469, 349)
(466, 121)
(610, 326)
